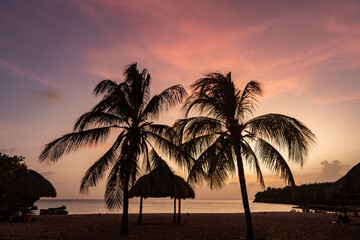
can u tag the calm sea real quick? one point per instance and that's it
(94, 206)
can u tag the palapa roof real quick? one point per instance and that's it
(28, 184)
(348, 187)
(161, 182)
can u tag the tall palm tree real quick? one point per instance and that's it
(126, 109)
(223, 137)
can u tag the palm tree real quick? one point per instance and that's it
(223, 138)
(125, 109)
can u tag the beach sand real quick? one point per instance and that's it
(193, 226)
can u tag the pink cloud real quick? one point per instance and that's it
(179, 44)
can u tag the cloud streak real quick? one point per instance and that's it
(334, 100)
(21, 72)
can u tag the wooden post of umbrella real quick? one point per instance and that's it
(174, 217)
(179, 217)
(25, 209)
(140, 211)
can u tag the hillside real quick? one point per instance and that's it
(317, 193)
(346, 190)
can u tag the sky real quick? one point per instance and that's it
(305, 53)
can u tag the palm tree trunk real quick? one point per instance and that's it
(174, 217)
(250, 232)
(179, 216)
(140, 211)
(125, 215)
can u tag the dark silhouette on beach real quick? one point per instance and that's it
(126, 108)
(222, 139)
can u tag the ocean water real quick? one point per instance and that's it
(160, 205)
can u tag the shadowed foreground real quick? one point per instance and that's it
(194, 226)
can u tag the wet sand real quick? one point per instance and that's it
(193, 226)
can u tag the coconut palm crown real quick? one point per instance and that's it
(223, 137)
(126, 109)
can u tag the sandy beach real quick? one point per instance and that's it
(194, 226)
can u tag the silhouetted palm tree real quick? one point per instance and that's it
(223, 137)
(126, 108)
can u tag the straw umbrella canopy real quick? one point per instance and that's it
(28, 186)
(161, 182)
(347, 188)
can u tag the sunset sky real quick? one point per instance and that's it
(54, 52)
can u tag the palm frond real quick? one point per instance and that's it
(221, 163)
(216, 162)
(274, 161)
(116, 104)
(170, 150)
(98, 169)
(131, 72)
(211, 106)
(196, 126)
(165, 100)
(135, 171)
(250, 156)
(162, 130)
(73, 141)
(214, 95)
(209, 83)
(284, 131)
(106, 86)
(114, 188)
(197, 145)
(157, 161)
(197, 174)
(206, 105)
(96, 119)
(145, 158)
(246, 104)
(138, 84)
(146, 86)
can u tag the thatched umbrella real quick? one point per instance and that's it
(28, 186)
(161, 182)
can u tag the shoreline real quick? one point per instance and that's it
(161, 206)
(268, 225)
